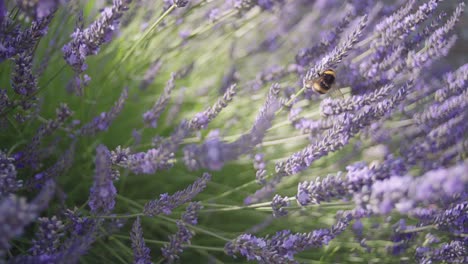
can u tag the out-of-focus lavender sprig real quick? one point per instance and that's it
(214, 152)
(9, 182)
(141, 253)
(104, 120)
(246, 5)
(456, 82)
(103, 192)
(305, 56)
(166, 203)
(158, 158)
(62, 164)
(151, 116)
(405, 192)
(16, 213)
(260, 167)
(39, 9)
(202, 119)
(404, 22)
(48, 237)
(86, 42)
(150, 74)
(172, 250)
(31, 154)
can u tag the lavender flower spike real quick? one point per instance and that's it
(8, 181)
(102, 193)
(103, 121)
(166, 203)
(405, 193)
(141, 253)
(151, 117)
(172, 250)
(202, 119)
(334, 57)
(88, 41)
(16, 213)
(48, 236)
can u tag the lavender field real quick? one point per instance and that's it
(233, 131)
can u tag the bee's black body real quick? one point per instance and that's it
(325, 81)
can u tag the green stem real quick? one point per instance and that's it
(148, 32)
(116, 216)
(418, 229)
(196, 228)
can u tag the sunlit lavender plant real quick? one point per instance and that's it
(198, 122)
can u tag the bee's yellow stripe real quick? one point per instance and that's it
(330, 72)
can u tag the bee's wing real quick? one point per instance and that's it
(335, 92)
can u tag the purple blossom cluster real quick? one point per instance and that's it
(382, 151)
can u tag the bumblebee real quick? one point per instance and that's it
(324, 84)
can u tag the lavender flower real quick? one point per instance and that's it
(320, 190)
(88, 41)
(214, 153)
(202, 119)
(330, 106)
(259, 165)
(103, 121)
(150, 74)
(151, 116)
(8, 175)
(345, 126)
(39, 9)
(175, 246)
(62, 164)
(141, 253)
(404, 193)
(180, 3)
(158, 158)
(190, 215)
(456, 84)
(282, 247)
(48, 237)
(453, 252)
(337, 55)
(15, 41)
(103, 192)
(166, 203)
(31, 154)
(16, 213)
(24, 82)
(278, 205)
(305, 56)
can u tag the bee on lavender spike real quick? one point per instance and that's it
(324, 84)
